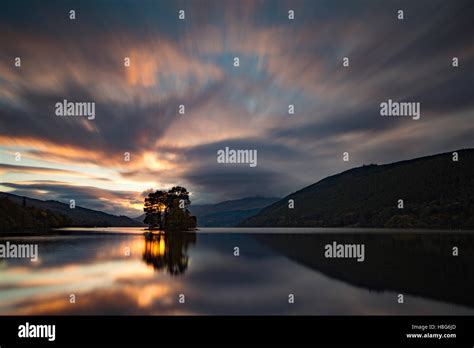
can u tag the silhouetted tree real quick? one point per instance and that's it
(155, 205)
(169, 210)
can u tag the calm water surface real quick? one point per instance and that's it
(94, 265)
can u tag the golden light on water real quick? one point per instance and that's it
(156, 247)
(161, 249)
(147, 295)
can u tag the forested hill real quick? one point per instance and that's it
(437, 192)
(18, 212)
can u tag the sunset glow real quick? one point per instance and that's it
(170, 64)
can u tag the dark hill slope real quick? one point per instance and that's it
(436, 192)
(78, 217)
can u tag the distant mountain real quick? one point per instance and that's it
(139, 218)
(437, 192)
(78, 217)
(228, 213)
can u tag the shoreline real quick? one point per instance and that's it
(64, 231)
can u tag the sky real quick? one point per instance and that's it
(190, 62)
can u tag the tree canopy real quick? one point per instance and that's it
(168, 210)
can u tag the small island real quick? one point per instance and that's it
(168, 210)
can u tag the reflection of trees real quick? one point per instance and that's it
(418, 263)
(168, 251)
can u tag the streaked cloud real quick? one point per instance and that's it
(191, 63)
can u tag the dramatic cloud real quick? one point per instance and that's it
(191, 63)
(85, 196)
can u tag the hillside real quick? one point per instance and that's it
(14, 217)
(78, 217)
(436, 192)
(227, 214)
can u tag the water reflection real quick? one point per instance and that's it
(168, 251)
(107, 281)
(420, 264)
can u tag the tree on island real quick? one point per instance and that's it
(169, 210)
